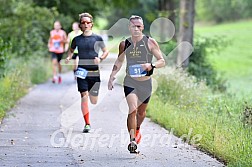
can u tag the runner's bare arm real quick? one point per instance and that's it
(117, 66)
(65, 37)
(104, 54)
(69, 55)
(119, 61)
(67, 43)
(155, 50)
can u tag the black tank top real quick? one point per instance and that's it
(139, 54)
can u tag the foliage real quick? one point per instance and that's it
(147, 9)
(13, 85)
(167, 49)
(74, 8)
(20, 74)
(200, 66)
(69, 10)
(224, 10)
(179, 86)
(184, 105)
(4, 48)
(247, 116)
(40, 70)
(233, 62)
(27, 26)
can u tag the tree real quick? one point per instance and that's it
(167, 8)
(224, 10)
(25, 26)
(186, 24)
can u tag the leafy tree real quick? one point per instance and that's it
(147, 9)
(224, 10)
(27, 26)
(74, 8)
(200, 66)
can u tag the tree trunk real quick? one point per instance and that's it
(186, 24)
(167, 9)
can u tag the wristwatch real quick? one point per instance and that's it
(153, 65)
(101, 59)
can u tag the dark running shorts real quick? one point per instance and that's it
(142, 89)
(90, 84)
(57, 56)
(74, 55)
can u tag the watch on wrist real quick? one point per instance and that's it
(101, 59)
(153, 65)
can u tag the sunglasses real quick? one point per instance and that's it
(86, 22)
(135, 26)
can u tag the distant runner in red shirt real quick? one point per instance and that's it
(56, 44)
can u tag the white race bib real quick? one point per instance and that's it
(81, 73)
(137, 71)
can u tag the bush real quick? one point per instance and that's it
(4, 48)
(217, 11)
(40, 69)
(170, 57)
(13, 85)
(200, 66)
(180, 87)
(19, 75)
(182, 103)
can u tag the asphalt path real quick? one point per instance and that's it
(45, 129)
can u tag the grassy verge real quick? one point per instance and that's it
(235, 60)
(184, 105)
(20, 75)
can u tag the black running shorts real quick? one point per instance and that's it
(90, 84)
(57, 56)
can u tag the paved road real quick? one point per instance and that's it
(44, 129)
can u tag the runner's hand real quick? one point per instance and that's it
(147, 66)
(97, 60)
(67, 60)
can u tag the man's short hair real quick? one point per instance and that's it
(136, 17)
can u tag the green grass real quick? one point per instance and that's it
(20, 75)
(236, 59)
(40, 70)
(183, 104)
(13, 86)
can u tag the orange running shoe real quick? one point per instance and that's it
(138, 136)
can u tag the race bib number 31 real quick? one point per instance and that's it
(81, 73)
(137, 71)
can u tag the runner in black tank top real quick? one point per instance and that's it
(139, 51)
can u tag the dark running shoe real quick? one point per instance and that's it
(86, 129)
(132, 147)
